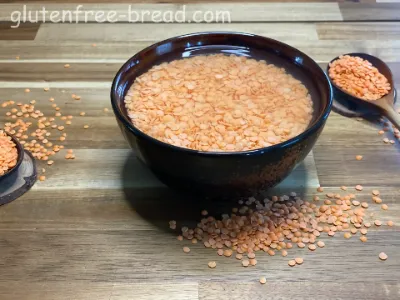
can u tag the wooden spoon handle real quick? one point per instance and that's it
(393, 116)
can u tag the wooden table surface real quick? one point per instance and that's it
(97, 228)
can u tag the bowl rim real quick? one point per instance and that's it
(136, 131)
(20, 151)
(360, 54)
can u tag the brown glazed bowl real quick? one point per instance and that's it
(223, 173)
(21, 153)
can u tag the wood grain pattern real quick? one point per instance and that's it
(24, 32)
(370, 11)
(139, 32)
(83, 72)
(105, 291)
(345, 138)
(57, 72)
(97, 228)
(311, 290)
(358, 31)
(118, 52)
(130, 209)
(238, 12)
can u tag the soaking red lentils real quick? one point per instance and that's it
(219, 103)
(8, 153)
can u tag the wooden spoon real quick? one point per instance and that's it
(384, 105)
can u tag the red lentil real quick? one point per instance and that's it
(347, 235)
(292, 263)
(383, 256)
(375, 192)
(298, 260)
(377, 200)
(312, 247)
(364, 204)
(252, 261)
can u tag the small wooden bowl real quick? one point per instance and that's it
(21, 153)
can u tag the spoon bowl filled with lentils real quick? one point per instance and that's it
(218, 113)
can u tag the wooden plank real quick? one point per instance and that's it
(358, 31)
(19, 290)
(80, 72)
(119, 52)
(297, 290)
(24, 32)
(56, 84)
(155, 291)
(193, 12)
(370, 11)
(128, 257)
(132, 209)
(99, 291)
(57, 72)
(342, 140)
(140, 32)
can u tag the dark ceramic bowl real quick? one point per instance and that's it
(353, 103)
(21, 153)
(223, 173)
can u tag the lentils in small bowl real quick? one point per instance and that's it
(11, 154)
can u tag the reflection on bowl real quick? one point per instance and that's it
(216, 173)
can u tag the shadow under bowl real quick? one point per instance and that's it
(21, 153)
(223, 173)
